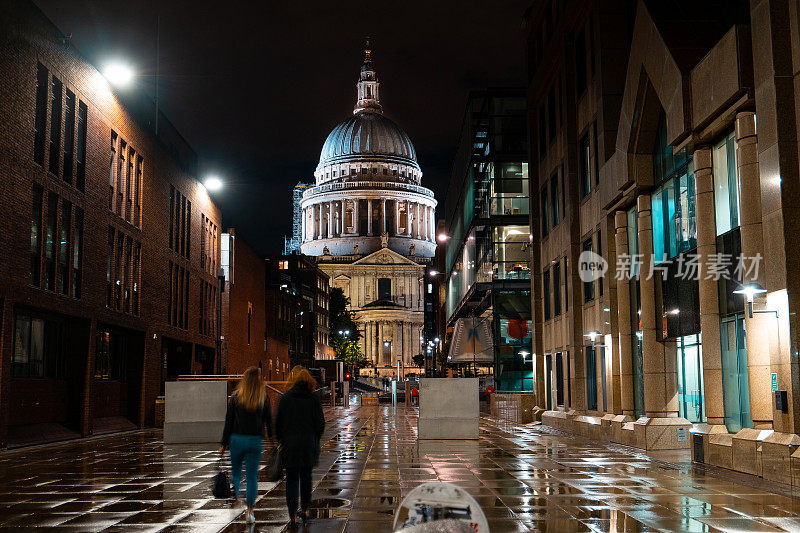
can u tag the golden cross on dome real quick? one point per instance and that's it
(367, 51)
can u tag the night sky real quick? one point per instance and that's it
(255, 87)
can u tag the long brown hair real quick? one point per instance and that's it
(300, 374)
(250, 392)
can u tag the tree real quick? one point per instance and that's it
(441, 359)
(341, 318)
(419, 360)
(349, 351)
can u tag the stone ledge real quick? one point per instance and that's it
(720, 447)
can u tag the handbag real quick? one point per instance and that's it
(221, 486)
(274, 469)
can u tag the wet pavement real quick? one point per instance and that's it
(526, 478)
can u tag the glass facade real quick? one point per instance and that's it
(487, 222)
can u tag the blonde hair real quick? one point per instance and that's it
(250, 392)
(300, 374)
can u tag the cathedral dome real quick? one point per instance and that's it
(368, 136)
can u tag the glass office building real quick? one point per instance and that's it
(488, 247)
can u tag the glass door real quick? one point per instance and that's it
(690, 379)
(735, 386)
(591, 379)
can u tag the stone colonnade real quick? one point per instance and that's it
(340, 218)
(387, 342)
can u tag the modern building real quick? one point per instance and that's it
(298, 276)
(435, 305)
(671, 150)
(488, 242)
(292, 244)
(370, 225)
(110, 245)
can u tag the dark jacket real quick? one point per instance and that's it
(299, 426)
(240, 421)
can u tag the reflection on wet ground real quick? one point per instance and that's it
(526, 478)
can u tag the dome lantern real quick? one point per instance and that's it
(368, 86)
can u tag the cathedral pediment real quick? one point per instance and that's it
(385, 256)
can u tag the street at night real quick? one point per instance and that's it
(418, 267)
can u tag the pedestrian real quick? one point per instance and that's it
(298, 428)
(245, 422)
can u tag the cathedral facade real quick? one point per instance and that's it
(371, 225)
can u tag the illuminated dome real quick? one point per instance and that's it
(368, 136)
(368, 193)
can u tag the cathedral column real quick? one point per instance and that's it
(342, 220)
(397, 217)
(369, 217)
(331, 224)
(315, 221)
(433, 224)
(356, 220)
(408, 218)
(418, 233)
(383, 216)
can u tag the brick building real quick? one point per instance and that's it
(257, 316)
(109, 249)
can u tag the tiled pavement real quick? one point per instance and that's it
(525, 478)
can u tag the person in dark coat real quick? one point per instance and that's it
(298, 428)
(247, 418)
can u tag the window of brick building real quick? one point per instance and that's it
(64, 240)
(77, 254)
(36, 235)
(123, 148)
(80, 148)
(112, 171)
(42, 84)
(580, 64)
(38, 347)
(546, 293)
(56, 101)
(137, 193)
(110, 268)
(50, 241)
(588, 286)
(554, 201)
(69, 136)
(557, 289)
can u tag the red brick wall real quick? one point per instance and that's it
(26, 38)
(247, 291)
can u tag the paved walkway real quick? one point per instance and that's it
(525, 478)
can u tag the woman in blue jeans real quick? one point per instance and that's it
(298, 428)
(245, 422)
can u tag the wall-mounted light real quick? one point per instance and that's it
(749, 290)
(118, 74)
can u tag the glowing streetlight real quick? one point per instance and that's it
(433, 272)
(749, 290)
(593, 335)
(442, 237)
(118, 74)
(213, 183)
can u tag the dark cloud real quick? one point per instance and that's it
(255, 87)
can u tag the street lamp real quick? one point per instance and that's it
(593, 335)
(213, 183)
(525, 353)
(118, 74)
(442, 237)
(749, 290)
(433, 272)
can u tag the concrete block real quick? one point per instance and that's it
(668, 433)
(745, 455)
(704, 430)
(719, 450)
(776, 452)
(194, 411)
(448, 408)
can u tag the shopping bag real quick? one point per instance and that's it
(274, 468)
(221, 486)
